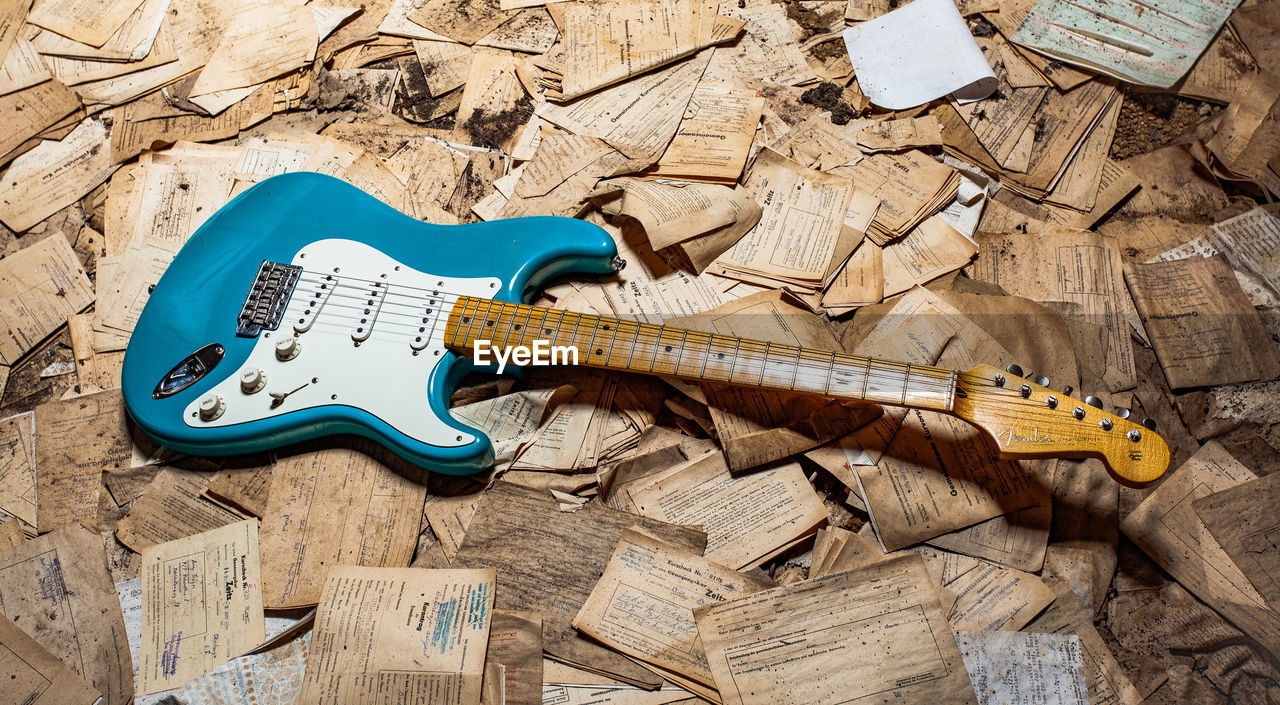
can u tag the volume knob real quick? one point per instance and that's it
(252, 380)
(287, 348)
(211, 407)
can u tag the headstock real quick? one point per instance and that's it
(1030, 420)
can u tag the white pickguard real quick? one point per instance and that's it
(382, 374)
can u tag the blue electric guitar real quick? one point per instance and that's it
(306, 307)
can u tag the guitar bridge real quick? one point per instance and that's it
(268, 297)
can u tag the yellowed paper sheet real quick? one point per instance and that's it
(994, 598)
(27, 113)
(123, 295)
(715, 135)
(262, 41)
(1070, 266)
(171, 508)
(34, 676)
(335, 507)
(129, 45)
(12, 15)
(609, 42)
(1203, 328)
(643, 604)
(798, 232)
(22, 68)
(1065, 616)
(423, 634)
(556, 564)
(747, 518)
(201, 604)
(515, 649)
(79, 439)
(84, 21)
(244, 489)
(767, 53)
(1167, 528)
(638, 117)
(512, 420)
(929, 251)
(57, 587)
(445, 64)
(54, 175)
(672, 213)
(18, 467)
(865, 636)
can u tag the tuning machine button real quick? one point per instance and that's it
(1093, 401)
(211, 407)
(1014, 370)
(252, 380)
(1150, 424)
(287, 348)
(1123, 413)
(1041, 380)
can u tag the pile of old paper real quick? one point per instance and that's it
(930, 182)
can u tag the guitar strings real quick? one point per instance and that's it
(896, 369)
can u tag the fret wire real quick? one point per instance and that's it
(657, 341)
(796, 372)
(906, 382)
(737, 345)
(764, 364)
(577, 321)
(528, 316)
(559, 325)
(830, 371)
(502, 314)
(866, 379)
(471, 320)
(684, 337)
(592, 342)
(487, 305)
(608, 355)
(633, 345)
(702, 373)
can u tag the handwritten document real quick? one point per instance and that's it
(57, 587)
(201, 604)
(421, 636)
(33, 676)
(515, 653)
(1065, 616)
(338, 506)
(643, 604)
(870, 635)
(171, 508)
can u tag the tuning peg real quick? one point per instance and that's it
(1068, 390)
(1041, 380)
(1093, 401)
(1014, 370)
(1150, 424)
(1123, 413)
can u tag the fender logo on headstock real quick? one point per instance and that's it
(1008, 437)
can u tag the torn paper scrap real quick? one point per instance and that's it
(917, 53)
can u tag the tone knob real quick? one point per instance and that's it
(211, 407)
(287, 348)
(252, 380)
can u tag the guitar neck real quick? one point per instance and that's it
(476, 325)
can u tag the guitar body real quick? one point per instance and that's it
(201, 380)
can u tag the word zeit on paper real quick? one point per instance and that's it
(542, 353)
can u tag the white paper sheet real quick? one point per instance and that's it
(917, 53)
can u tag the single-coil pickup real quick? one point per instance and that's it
(428, 314)
(316, 299)
(370, 303)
